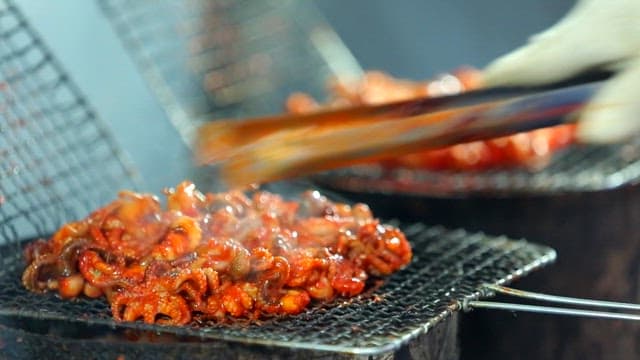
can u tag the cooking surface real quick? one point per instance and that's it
(448, 267)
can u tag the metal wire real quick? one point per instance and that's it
(58, 160)
(217, 59)
(561, 299)
(550, 310)
(473, 304)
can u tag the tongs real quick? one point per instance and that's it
(276, 147)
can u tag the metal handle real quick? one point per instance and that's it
(477, 304)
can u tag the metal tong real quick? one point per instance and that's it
(491, 288)
(277, 147)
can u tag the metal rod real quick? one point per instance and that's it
(561, 299)
(550, 310)
(468, 305)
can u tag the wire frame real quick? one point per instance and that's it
(58, 160)
(448, 269)
(212, 59)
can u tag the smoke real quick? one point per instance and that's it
(291, 189)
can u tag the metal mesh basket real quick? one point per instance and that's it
(212, 59)
(449, 267)
(58, 160)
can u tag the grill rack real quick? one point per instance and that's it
(449, 268)
(58, 159)
(213, 59)
(580, 168)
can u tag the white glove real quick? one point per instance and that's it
(594, 34)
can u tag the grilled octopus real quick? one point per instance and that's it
(532, 149)
(215, 256)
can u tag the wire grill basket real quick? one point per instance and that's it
(449, 268)
(212, 59)
(58, 160)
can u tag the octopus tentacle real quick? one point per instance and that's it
(33, 274)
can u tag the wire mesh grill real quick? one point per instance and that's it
(57, 158)
(212, 59)
(579, 168)
(448, 268)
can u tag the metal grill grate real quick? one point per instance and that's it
(211, 59)
(579, 168)
(58, 160)
(448, 267)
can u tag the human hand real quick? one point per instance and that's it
(595, 34)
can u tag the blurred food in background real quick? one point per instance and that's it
(532, 150)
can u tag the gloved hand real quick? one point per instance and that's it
(594, 34)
